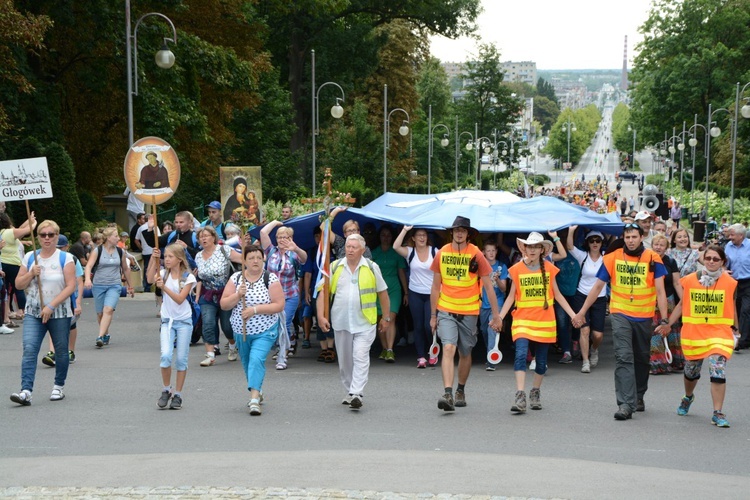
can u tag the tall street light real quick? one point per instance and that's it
(443, 142)
(403, 130)
(484, 146)
(694, 142)
(713, 131)
(745, 112)
(569, 126)
(458, 147)
(336, 111)
(164, 58)
(504, 152)
(673, 148)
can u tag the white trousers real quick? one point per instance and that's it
(354, 358)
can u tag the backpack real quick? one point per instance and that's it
(232, 266)
(172, 237)
(266, 277)
(433, 252)
(62, 266)
(99, 256)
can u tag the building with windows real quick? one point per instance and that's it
(520, 71)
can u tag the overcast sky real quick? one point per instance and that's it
(569, 34)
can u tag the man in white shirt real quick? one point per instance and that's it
(356, 283)
(146, 249)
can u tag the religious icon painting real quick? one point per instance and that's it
(242, 195)
(152, 170)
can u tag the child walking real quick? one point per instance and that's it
(176, 282)
(534, 290)
(498, 277)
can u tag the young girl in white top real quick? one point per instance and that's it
(419, 260)
(176, 282)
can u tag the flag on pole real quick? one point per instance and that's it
(324, 264)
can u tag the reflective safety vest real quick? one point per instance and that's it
(368, 293)
(707, 317)
(632, 282)
(530, 319)
(460, 289)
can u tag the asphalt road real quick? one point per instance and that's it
(109, 432)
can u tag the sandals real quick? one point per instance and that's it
(281, 366)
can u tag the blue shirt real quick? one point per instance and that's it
(738, 259)
(502, 272)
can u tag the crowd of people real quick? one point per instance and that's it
(671, 305)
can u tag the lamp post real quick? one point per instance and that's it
(568, 127)
(504, 151)
(745, 112)
(673, 148)
(484, 146)
(458, 147)
(694, 142)
(336, 111)
(443, 142)
(632, 160)
(712, 131)
(403, 130)
(164, 58)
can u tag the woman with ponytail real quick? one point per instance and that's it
(534, 291)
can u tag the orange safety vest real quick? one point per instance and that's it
(530, 319)
(632, 282)
(460, 291)
(707, 317)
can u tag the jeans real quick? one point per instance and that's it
(253, 351)
(290, 308)
(146, 260)
(33, 335)
(419, 305)
(212, 315)
(182, 330)
(632, 352)
(563, 326)
(522, 348)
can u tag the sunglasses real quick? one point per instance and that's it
(632, 225)
(594, 240)
(47, 235)
(712, 259)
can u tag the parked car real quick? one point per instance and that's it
(624, 174)
(527, 170)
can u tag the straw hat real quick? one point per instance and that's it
(534, 239)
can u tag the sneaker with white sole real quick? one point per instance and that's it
(5, 330)
(586, 367)
(532, 365)
(347, 400)
(519, 405)
(57, 393)
(164, 398)
(232, 355)
(22, 398)
(535, 402)
(176, 403)
(209, 360)
(356, 402)
(594, 357)
(254, 406)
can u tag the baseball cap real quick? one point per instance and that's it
(642, 215)
(124, 233)
(215, 205)
(62, 241)
(593, 234)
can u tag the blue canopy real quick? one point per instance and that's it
(489, 212)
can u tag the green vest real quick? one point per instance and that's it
(368, 294)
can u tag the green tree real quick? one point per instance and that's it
(545, 112)
(545, 89)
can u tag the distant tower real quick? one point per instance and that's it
(624, 76)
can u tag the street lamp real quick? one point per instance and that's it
(632, 162)
(484, 146)
(164, 58)
(745, 112)
(443, 142)
(712, 131)
(403, 130)
(336, 111)
(458, 146)
(694, 142)
(504, 151)
(569, 127)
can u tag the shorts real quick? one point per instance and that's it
(596, 313)
(716, 368)
(106, 296)
(459, 330)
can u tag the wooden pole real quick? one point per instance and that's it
(156, 235)
(33, 247)
(244, 282)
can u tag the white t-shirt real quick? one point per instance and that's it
(420, 275)
(146, 249)
(589, 268)
(171, 309)
(346, 313)
(53, 283)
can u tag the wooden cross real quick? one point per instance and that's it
(328, 201)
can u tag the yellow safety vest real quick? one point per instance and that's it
(368, 293)
(632, 281)
(460, 289)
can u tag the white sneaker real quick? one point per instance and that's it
(586, 367)
(532, 365)
(22, 398)
(594, 357)
(232, 355)
(209, 360)
(5, 329)
(57, 394)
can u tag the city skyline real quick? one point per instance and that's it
(587, 44)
